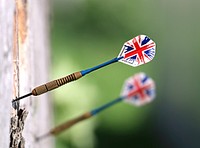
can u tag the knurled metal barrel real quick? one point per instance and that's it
(55, 83)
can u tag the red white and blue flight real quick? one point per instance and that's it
(139, 89)
(138, 51)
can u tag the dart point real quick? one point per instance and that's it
(22, 97)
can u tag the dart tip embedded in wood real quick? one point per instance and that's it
(37, 139)
(22, 97)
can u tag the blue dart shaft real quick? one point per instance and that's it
(101, 108)
(84, 72)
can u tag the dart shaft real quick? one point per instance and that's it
(105, 106)
(84, 72)
(55, 83)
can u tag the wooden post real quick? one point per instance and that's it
(24, 58)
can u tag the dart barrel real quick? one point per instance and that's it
(69, 123)
(55, 83)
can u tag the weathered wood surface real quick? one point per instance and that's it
(6, 71)
(24, 58)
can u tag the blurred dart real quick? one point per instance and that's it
(137, 90)
(135, 52)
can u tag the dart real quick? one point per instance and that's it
(137, 90)
(135, 52)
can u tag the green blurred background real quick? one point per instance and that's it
(85, 33)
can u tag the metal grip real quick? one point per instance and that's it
(55, 84)
(66, 79)
(70, 123)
